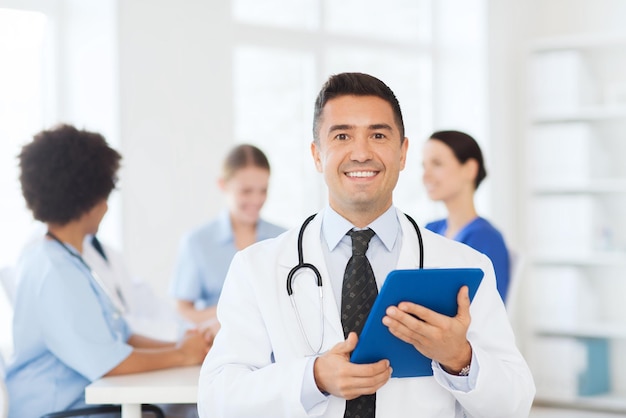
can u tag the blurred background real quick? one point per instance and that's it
(173, 85)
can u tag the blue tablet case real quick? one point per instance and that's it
(435, 289)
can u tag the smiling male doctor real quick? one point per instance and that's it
(263, 364)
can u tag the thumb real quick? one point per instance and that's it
(463, 301)
(348, 345)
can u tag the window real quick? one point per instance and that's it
(280, 61)
(22, 43)
(22, 38)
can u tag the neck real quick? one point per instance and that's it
(460, 212)
(70, 233)
(240, 226)
(244, 233)
(362, 217)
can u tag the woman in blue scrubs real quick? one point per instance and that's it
(206, 252)
(453, 170)
(67, 330)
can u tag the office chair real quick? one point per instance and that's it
(4, 395)
(103, 409)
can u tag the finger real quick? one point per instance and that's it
(463, 302)
(419, 313)
(411, 316)
(370, 384)
(369, 370)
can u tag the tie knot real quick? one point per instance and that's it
(360, 240)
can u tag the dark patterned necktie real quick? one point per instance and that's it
(357, 298)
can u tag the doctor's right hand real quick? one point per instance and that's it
(335, 374)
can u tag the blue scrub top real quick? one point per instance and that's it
(204, 258)
(484, 237)
(66, 333)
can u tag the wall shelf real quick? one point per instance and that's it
(579, 41)
(576, 197)
(599, 186)
(585, 114)
(588, 330)
(605, 403)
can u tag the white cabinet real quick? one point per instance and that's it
(576, 235)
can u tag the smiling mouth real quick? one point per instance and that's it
(361, 174)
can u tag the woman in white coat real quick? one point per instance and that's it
(263, 365)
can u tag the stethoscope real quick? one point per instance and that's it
(318, 279)
(119, 309)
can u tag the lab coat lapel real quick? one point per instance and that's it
(409, 252)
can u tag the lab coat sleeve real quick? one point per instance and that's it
(504, 386)
(239, 377)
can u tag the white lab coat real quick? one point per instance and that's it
(257, 363)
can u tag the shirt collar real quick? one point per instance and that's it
(335, 227)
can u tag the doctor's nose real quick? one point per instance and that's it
(361, 150)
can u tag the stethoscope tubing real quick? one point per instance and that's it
(318, 279)
(119, 310)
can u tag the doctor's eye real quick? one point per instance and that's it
(341, 137)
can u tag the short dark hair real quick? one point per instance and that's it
(355, 84)
(65, 172)
(464, 148)
(243, 156)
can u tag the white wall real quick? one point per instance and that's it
(173, 61)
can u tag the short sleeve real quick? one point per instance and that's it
(186, 283)
(74, 325)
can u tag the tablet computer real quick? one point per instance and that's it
(435, 289)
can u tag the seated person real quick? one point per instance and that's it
(68, 329)
(206, 252)
(453, 170)
(145, 313)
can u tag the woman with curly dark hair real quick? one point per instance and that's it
(67, 330)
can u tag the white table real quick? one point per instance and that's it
(176, 385)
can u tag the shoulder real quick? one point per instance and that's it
(436, 226)
(269, 230)
(204, 232)
(482, 229)
(440, 251)
(43, 263)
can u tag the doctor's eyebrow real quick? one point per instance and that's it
(344, 127)
(380, 126)
(374, 127)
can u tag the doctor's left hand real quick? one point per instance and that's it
(437, 336)
(335, 374)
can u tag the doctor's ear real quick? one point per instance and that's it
(316, 156)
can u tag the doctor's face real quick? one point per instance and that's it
(360, 154)
(246, 192)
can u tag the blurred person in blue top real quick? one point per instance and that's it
(453, 169)
(206, 252)
(68, 331)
